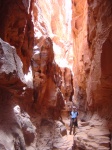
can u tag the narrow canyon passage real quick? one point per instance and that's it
(54, 55)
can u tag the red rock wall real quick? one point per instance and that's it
(57, 19)
(92, 28)
(25, 30)
(27, 45)
(49, 92)
(92, 32)
(16, 28)
(81, 51)
(100, 28)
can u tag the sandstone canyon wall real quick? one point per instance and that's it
(33, 87)
(52, 58)
(92, 27)
(38, 70)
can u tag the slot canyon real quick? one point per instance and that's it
(55, 54)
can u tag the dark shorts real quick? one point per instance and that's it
(74, 122)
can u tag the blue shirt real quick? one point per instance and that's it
(73, 114)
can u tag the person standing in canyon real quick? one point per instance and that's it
(73, 119)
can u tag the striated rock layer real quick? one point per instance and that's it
(92, 28)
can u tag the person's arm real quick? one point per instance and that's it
(70, 115)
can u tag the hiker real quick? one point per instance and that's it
(73, 119)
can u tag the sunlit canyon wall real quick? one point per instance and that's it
(52, 19)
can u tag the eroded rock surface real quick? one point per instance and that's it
(92, 25)
(49, 78)
(30, 80)
(52, 135)
(16, 129)
(44, 83)
(92, 134)
(16, 28)
(11, 66)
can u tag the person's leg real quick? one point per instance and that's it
(74, 128)
(71, 125)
